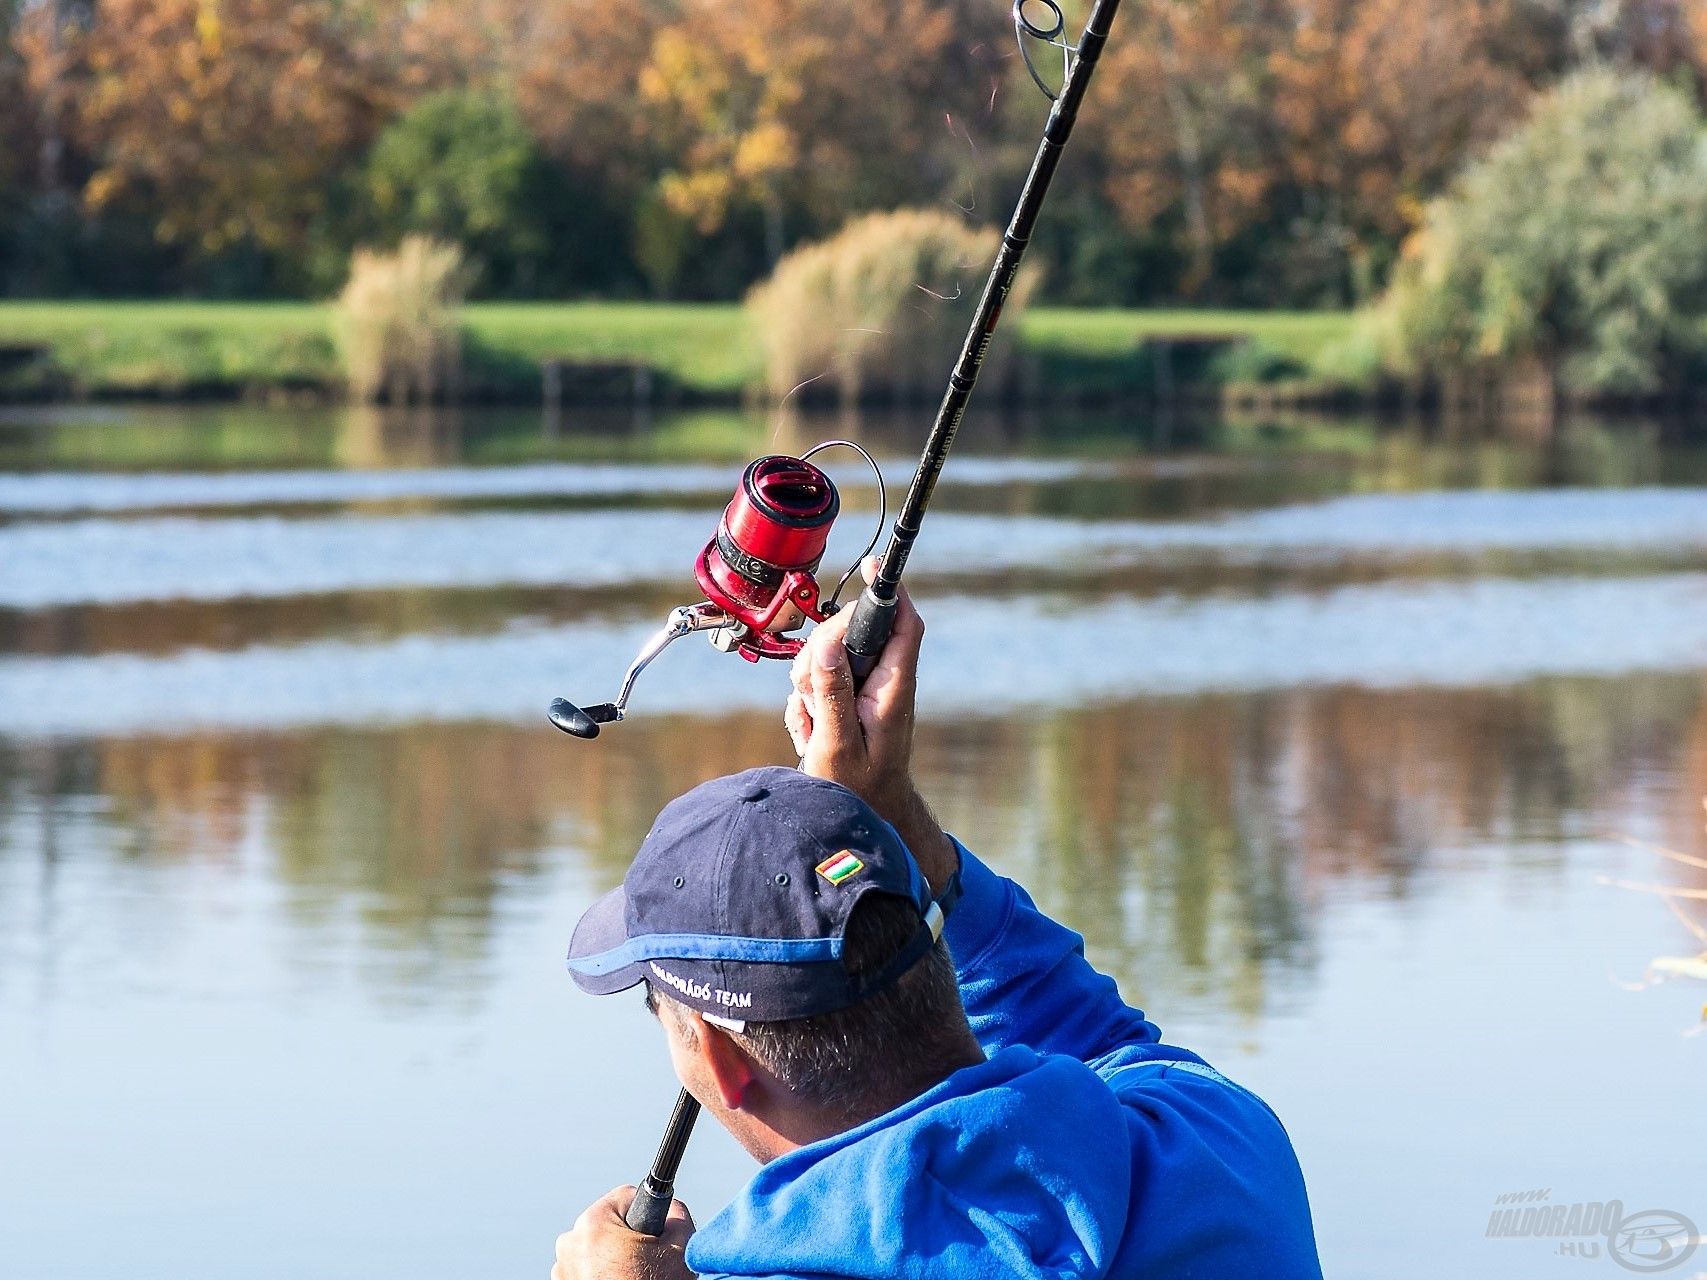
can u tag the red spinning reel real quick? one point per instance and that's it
(760, 568)
(759, 574)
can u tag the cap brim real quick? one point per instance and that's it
(603, 927)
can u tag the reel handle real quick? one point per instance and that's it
(868, 631)
(582, 722)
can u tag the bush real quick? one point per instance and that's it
(398, 328)
(1579, 243)
(880, 309)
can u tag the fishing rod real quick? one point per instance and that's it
(651, 1205)
(874, 615)
(759, 570)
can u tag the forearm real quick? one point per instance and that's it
(938, 856)
(1024, 978)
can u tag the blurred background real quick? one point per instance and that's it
(1317, 598)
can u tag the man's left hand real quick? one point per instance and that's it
(601, 1247)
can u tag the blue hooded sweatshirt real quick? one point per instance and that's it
(1082, 1147)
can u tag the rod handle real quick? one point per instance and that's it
(651, 1207)
(868, 631)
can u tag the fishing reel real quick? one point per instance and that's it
(758, 572)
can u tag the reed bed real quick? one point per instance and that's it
(399, 322)
(878, 311)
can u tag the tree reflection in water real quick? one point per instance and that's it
(1192, 840)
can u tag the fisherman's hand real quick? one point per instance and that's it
(601, 1247)
(865, 741)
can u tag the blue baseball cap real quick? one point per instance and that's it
(737, 902)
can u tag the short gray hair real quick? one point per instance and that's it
(858, 1062)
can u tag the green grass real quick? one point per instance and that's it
(177, 348)
(705, 347)
(185, 348)
(1301, 335)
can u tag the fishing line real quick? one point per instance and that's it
(834, 602)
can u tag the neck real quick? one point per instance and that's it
(798, 1124)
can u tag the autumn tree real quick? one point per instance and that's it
(816, 105)
(1377, 103)
(14, 117)
(38, 68)
(232, 120)
(1192, 139)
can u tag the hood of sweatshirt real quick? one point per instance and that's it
(1021, 1165)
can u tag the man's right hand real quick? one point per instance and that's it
(865, 741)
(601, 1246)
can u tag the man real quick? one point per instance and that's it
(925, 1100)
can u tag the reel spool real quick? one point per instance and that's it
(760, 567)
(758, 572)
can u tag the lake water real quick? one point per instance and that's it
(1328, 739)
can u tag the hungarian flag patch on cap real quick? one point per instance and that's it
(840, 866)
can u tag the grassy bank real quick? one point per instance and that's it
(181, 349)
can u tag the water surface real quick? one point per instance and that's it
(1325, 738)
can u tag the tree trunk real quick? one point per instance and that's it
(1190, 149)
(773, 230)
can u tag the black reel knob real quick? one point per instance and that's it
(579, 722)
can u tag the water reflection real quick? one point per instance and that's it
(1322, 758)
(1189, 838)
(988, 656)
(1414, 455)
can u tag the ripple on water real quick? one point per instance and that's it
(107, 561)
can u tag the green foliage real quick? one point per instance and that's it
(1351, 360)
(880, 308)
(661, 240)
(1579, 242)
(1253, 361)
(461, 167)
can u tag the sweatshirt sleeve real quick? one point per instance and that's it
(1024, 978)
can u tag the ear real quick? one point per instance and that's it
(728, 1065)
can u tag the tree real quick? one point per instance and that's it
(232, 120)
(815, 105)
(1580, 242)
(570, 67)
(461, 166)
(1377, 104)
(14, 132)
(1193, 140)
